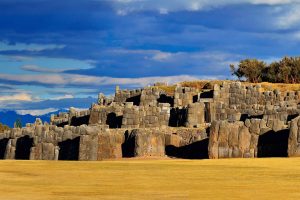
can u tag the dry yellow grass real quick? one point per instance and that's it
(151, 179)
(279, 86)
(199, 84)
(170, 90)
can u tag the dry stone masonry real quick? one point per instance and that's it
(230, 120)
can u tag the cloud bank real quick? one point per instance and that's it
(164, 6)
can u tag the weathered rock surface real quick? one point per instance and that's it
(252, 138)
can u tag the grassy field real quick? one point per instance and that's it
(151, 179)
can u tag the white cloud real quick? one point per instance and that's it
(216, 61)
(67, 96)
(42, 79)
(287, 14)
(160, 56)
(164, 6)
(296, 35)
(36, 112)
(5, 46)
(83, 80)
(77, 109)
(289, 19)
(273, 2)
(17, 97)
(163, 11)
(35, 68)
(197, 57)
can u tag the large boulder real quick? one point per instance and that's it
(88, 149)
(145, 143)
(110, 145)
(229, 140)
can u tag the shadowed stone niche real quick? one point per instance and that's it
(273, 144)
(128, 145)
(178, 117)
(196, 150)
(135, 99)
(163, 98)
(69, 149)
(3, 144)
(77, 121)
(114, 121)
(23, 147)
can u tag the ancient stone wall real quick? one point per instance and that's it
(60, 118)
(122, 96)
(73, 118)
(195, 115)
(249, 139)
(244, 122)
(236, 102)
(150, 96)
(146, 116)
(111, 115)
(49, 142)
(185, 96)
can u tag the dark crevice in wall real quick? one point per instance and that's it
(3, 144)
(178, 117)
(163, 98)
(78, 121)
(128, 146)
(195, 98)
(246, 116)
(208, 131)
(114, 121)
(207, 94)
(207, 115)
(196, 150)
(62, 124)
(136, 100)
(23, 147)
(291, 117)
(69, 149)
(273, 144)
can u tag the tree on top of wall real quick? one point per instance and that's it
(18, 123)
(287, 70)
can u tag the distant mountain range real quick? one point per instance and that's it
(9, 117)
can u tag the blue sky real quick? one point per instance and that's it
(62, 51)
